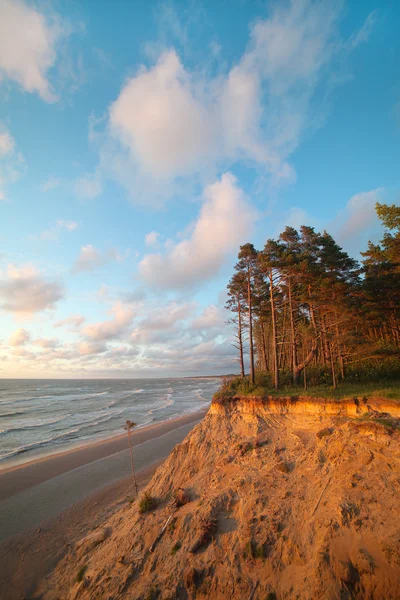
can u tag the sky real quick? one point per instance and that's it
(141, 143)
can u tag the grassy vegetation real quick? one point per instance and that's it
(147, 502)
(358, 385)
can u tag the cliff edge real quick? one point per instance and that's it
(266, 498)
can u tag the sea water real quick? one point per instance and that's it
(40, 417)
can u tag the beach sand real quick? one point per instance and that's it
(48, 504)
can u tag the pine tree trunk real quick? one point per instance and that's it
(273, 322)
(240, 338)
(295, 371)
(251, 347)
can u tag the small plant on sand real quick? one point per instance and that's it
(152, 594)
(253, 550)
(176, 547)
(324, 432)
(129, 425)
(147, 502)
(180, 498)
(172, 525)
(81, 573)
(283, 467)
(271, 596)
(208, 528)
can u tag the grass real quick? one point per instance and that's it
(147, 502)
(389, 389)
(81, 573)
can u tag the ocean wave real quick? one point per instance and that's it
(139, 391)
(31, 424)
(167, 401)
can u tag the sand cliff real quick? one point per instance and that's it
(289, 498)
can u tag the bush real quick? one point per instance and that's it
(147, 502)
(180, 498)
(81, 573)
(176, 547)
(324, 432)
(283, 467)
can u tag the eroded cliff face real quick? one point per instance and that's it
(291, 497)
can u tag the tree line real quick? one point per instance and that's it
(302, 303)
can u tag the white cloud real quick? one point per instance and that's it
(74, 322)
(151, 238)
(90, 348)
(359, 215)
(27, 46)
(170, 126)
(6, 144)
(113, 328)
(53, 233)
(91, 258)
(24, 291)
(19, 337)
(88, 186)
(172, 313)
(11, 161)
(224, 222)
(46, 343)
(364, 32)
(51, 184)
(212, 317)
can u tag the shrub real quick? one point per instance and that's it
(147, 502)
(176, 547)
(283, 467)
(180, 498)
(324, 432)
(81, 573)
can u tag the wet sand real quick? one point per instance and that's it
(42, 489)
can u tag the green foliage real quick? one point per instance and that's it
(147, 502)
(374, 379)
(176, 547)
(313, 315)
(81, 573)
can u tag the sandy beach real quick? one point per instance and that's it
(48, 504)
(43, 488)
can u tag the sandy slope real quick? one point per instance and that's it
(305, 501)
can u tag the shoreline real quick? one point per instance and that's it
(28, 557)
(20, 477)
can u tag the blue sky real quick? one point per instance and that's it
(141, 143)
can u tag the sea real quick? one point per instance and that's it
(41, 417)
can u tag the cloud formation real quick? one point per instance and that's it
(224, 222)
(27, 46)
(90, 258)
(11, 161)
(6, 144)
(24, 291)
(358, 216)
(19, 337)
(112, 328)
(53, 233)
(74, 322)
(169, 123)
(151, 238)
